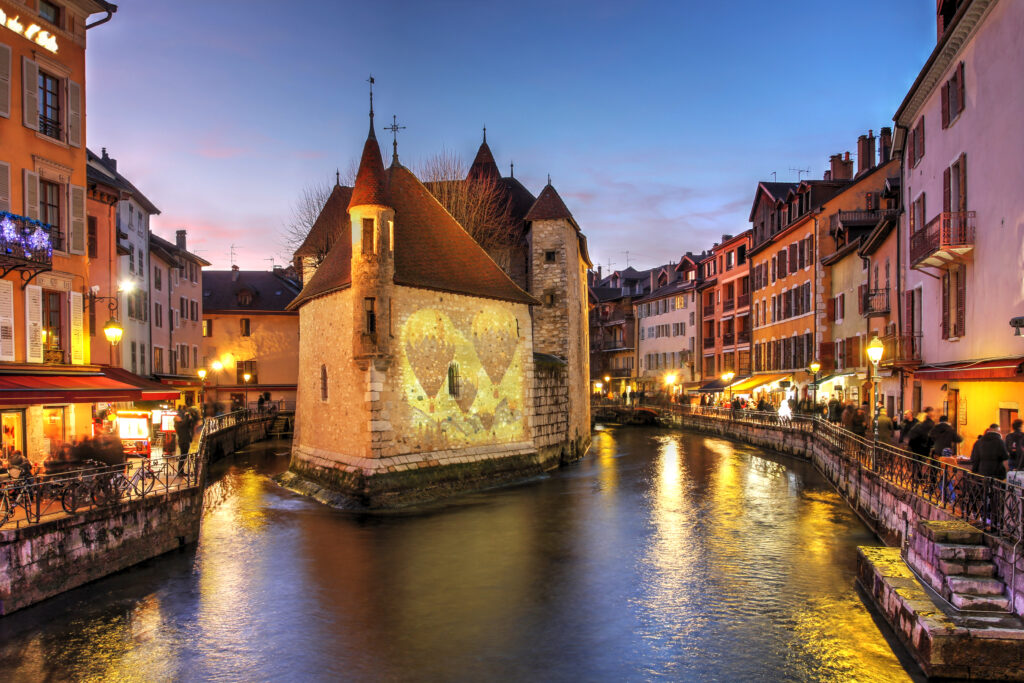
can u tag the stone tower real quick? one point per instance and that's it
(558, 269)
(372, 219)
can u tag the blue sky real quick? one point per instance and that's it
(654, 119)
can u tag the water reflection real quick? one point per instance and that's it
(662, 555)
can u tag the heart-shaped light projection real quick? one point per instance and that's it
(495, 336)
(429, 348)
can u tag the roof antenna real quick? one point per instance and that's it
(512, 169)
(485, 134)
(371, 81)
(799, 171)
(231, 254)
(394, 128)
(775, 176)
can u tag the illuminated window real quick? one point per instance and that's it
(207, 328)
(49, 105)
(323, 383)
(454, 381)
(244, 327)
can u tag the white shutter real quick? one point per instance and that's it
(76, 237)
(30, 93)
(5, 186)
(77, 330)
(5, 81)
(74, 114)
(33, 324)
(31, 193)
(6, 320)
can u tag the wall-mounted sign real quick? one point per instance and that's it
(33, 32)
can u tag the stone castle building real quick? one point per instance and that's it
(424, 367)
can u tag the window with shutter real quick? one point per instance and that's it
(962, 198)
(960, 86)
(5, 186)
(910, 148)
(5, 81)
(802, 254)
(782, 264)
(919, 138)
(945, 104)
(77, 328)
(830, 310)
(793, 257)
(945, 306)
(30, 183)
(30, 93)
(33, 324)
(74, 114)
(6, 321)
(945, 190)
(76, 238)
(961, 301)
(862, 292)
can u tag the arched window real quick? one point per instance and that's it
(323, 383)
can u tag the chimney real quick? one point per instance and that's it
(599, 273)
(179, 239)
(726, 238)
(884, 145)
(842, 168)
(109, 162)
(828, 175)
(866, 152)
(234, 273)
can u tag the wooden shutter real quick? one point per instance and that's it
(962, 199)
(76, 237)
(961, 301)
(5, 186)
(74, 114)
(5, 81)
(912, 228)
(31, 193)
(945, 305)
(794, 257)
(911, 149)
(802, 253)
(782, 265)
(908, 307)
(830, 310)
(945, 104)
(960, 85)
(6, 320)
(30, 93)
(33, 324)
(945, 190)
(807, 297)
(77, 329)
(920, 137)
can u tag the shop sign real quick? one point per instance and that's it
(33, 32)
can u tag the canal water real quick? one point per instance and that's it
(661, 556)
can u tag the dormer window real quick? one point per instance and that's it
(245, 298)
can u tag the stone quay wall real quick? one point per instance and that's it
(890, 511)
(43, 560)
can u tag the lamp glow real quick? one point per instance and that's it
(607, 378)
(875, 350)
(202, 373)
(217, 366)
(815, 366)
(670, 380)
(126, 286)
(113, 331)
(247, 377)
(727, 377)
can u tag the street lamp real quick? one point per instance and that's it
(814, 368)
(246, 377)
(670, 381)
(875, 350)
(727, 377)
(202, 388)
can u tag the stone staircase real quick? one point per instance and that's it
(955, 562)
(283, 425)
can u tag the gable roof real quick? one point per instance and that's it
(172, 252)
(271, 292)
(776, 191)
(100, 170)
(549, 206)
(484, 167)
(328, 225)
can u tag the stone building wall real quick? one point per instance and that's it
(550, 401)
(49, 558)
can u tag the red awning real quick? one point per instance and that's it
(999, 368)
(151, 390)
(84, 388)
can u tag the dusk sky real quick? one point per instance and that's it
(654, 119)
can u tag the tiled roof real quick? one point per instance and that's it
(271, 292)
(778, 190)
(119, 181)
(371, 183)
(484, 166)
(433, 251)
(519, 198)
(328, 225)
(172, 252)
(549, 206)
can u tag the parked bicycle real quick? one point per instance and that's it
(15, 494)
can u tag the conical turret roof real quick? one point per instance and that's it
(371, 182)
(549, 206)
(484, 166)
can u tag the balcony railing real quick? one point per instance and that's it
(608, 345)
(743, 337)
(728, 305)
(728, 339)
(709, 342)
(901, 349)
(709, 309)
(864, 217)
(26, 244)
(876, 302)
(946, 238)
(742, 301)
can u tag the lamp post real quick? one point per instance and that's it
(814, 368)
(670, 382)
(202, 388)
(246, 377)
(727, 377)
(112, 330)
(875, 351)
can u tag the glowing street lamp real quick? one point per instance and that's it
(727, 378)
(814, 368)
(246, 377)
(875, 350)
(113, 331)
(202, 388)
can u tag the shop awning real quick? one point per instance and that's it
(834, 376)
(751, 383)
(64, 388)
(999, 368)
(151, 390)
(714, 386)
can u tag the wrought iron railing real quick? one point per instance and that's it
(728, 339)
(948, 230)
(729, 305)
(742, 301)
(990, 504)
(709, 309)
(863, 217)
(901, 348)
(876, 302)
(33, 498)
(709, 342)
(743, 337)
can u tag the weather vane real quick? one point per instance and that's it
(394, 128)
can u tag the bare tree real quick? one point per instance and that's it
(481, 206)
(306, 209)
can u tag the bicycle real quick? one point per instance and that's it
(14, 495)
